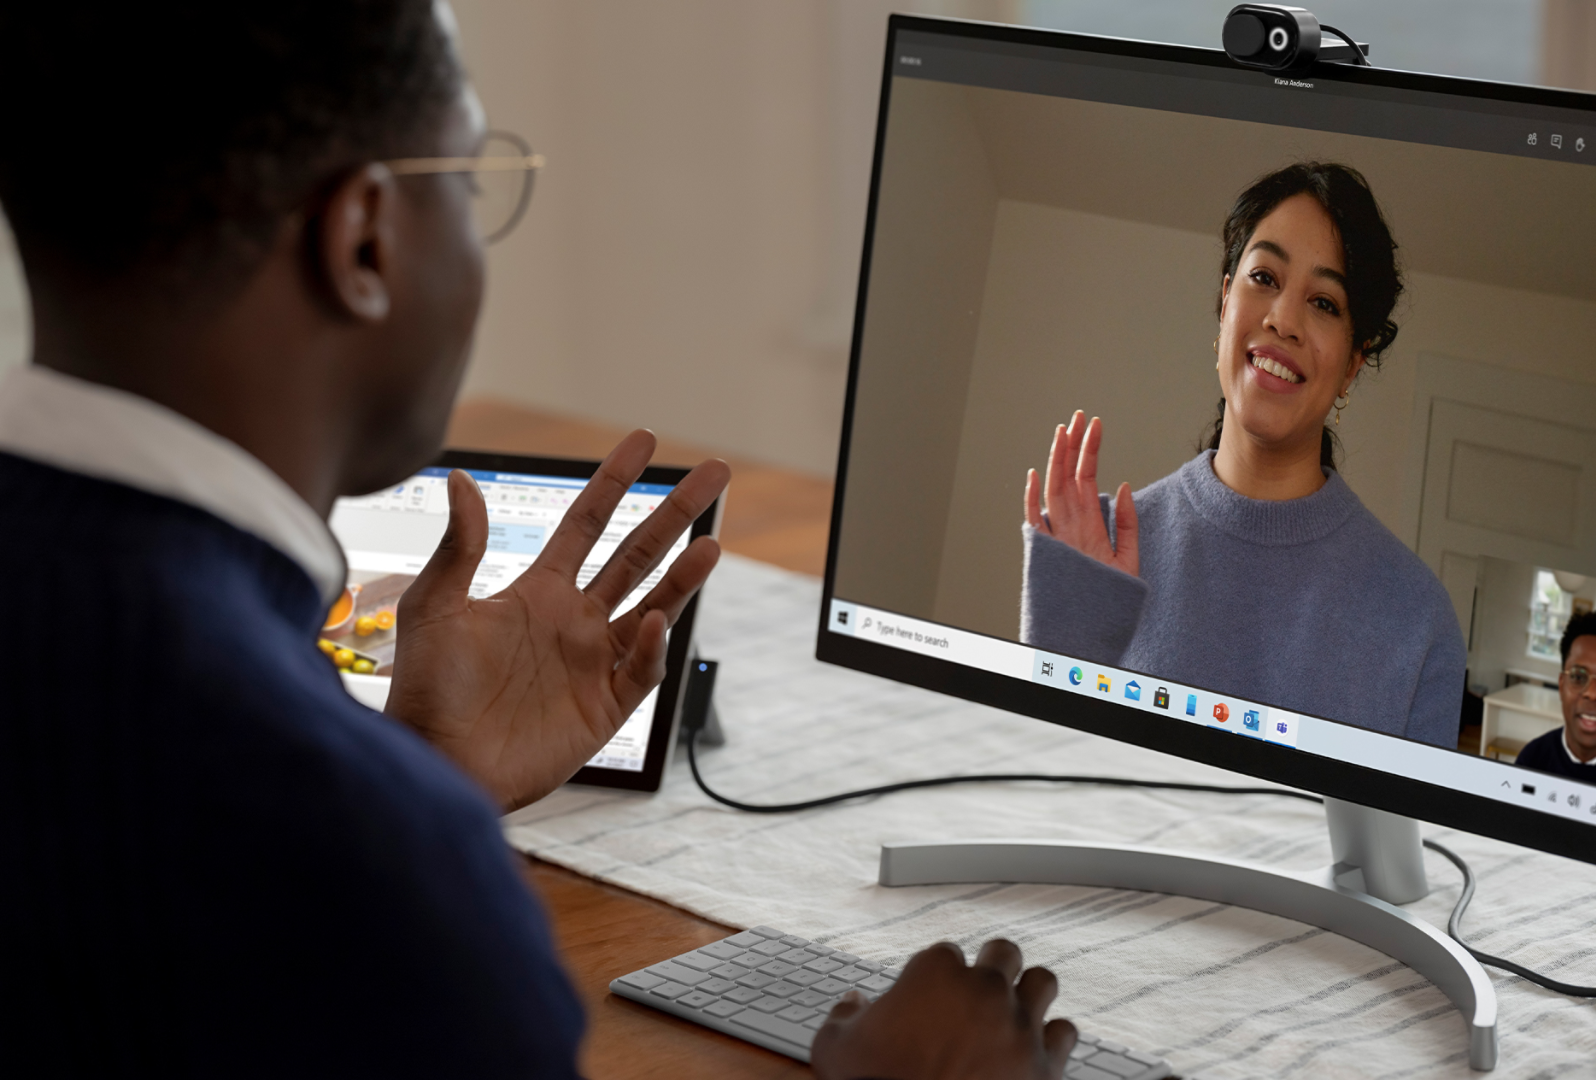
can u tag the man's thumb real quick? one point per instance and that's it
(446, 578)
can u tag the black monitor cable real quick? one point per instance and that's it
(1453, 926)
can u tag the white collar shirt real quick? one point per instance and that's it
(109, 434)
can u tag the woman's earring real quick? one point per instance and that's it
(1342, 402)
(1216, 346)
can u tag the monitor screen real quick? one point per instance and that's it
(388, 536)
(1393, 274)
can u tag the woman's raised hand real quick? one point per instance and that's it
(1068, 509)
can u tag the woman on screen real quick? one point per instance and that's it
(1254, 569)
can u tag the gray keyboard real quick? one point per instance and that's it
(775, 990)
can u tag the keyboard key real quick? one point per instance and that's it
(867, 965)
(1145, 1059)
(723, 1009)
(697, 961)
(715, 986)
(669, 990)
(825, 965)
(851, 974)
(696, 999)
(809, 999)
(814, 1023)
(755, 980)
(728, 971)
(845, 958)
(644, 981)
(722, 950)
(1087, 1072)
(803, 978)
(749, 960)
(1111, 1046)
(796, 1013)
(674, 972)
(764, 931)
(743, 995)
(745, 940)
(793, 941)
(797, 957)
(1117, 1064)
(768, 1005)
(777, 968)
(876, 984)
(820, 950)
(785, 1030)
(782, 989)
(770, 948)
(830, 986)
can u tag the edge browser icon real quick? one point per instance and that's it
(1075, 676)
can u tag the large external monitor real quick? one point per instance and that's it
(1062, 223)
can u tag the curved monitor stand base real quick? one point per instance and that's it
(1378, 864)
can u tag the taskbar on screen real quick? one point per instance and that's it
(1220, 712)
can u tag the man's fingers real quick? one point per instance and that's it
(590, 512)
(684, 578)
(445, 581)
(643, 548)
(847, 1007)
(644, 666)
(1001, 955)
(1058, 1039)
(1036, 990)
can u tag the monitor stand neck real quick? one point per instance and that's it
(1378, 864)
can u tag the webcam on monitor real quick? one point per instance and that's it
(1285, 39)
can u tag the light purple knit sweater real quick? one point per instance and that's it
(1307, 604)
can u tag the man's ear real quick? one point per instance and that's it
(357, 242)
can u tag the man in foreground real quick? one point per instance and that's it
(217, 863)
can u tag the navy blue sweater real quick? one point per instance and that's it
(214, 861)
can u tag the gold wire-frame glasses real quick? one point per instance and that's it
(502, 174)
(1578, 677)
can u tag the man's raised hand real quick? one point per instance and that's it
(523, 687)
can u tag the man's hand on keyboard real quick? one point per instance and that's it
(945, 1020)
(523, 687)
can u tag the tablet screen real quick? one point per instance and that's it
(388, 536)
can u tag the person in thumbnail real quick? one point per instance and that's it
(1254, 568)
(1571, 749)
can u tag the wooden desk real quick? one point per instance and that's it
(773, 515)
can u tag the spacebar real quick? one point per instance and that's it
(780, 1029)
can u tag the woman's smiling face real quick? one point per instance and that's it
(1285, 341)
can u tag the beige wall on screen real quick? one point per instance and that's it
(1081, 311)
(933, 232)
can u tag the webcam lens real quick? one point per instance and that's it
(1278, 39)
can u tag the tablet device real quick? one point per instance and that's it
(388, 536)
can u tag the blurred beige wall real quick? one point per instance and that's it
(690, 257)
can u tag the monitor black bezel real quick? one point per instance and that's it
(668, 707)
(1279, 764)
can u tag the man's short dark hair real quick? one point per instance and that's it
(172, 136)
(1579, 626)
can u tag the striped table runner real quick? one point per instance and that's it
(1221, 991)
